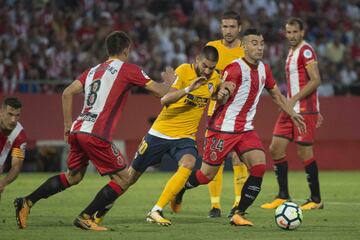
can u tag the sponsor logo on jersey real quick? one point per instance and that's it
(196, 101)
(91, 117)
(307, 53)
(211, 87)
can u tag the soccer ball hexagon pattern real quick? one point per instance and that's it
(288, 216)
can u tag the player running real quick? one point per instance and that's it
(175, 128)
(106, 87)
(229, 48)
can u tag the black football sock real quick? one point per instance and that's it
(50, 187)
(251, 187)
(281, 171)
(249, 192)
(312, 176)
(104, 199)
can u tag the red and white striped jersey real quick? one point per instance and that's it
(106, 88)
(297, 77)
(16, 140)
(238, 113)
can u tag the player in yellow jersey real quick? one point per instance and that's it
(229, 48)
(174, 130)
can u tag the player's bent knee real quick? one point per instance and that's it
(235, 160)
(188, 161)
(188, 164)
(276, 152)
(210, 175)
(123, 183)
(257, 170)
(73, 177)
(305, 153)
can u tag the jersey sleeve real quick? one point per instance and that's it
(308, 55)
(180, 74)
(82, 77)
(135, 75)
(19, 146)
(269, 80)
(231, 73)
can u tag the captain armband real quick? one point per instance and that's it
(18, 153)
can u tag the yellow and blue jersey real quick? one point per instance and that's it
(181, 119)
(226, 56)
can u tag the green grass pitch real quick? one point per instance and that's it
(52, 218)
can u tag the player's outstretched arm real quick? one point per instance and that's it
(175, 94)
(16, 165)
(286, 106)
(160, 89)
(74, 88)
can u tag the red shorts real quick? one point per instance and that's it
(105, 156)
(285, 128)
(219, 145)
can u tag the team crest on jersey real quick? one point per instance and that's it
(211, 87)
(213, 156)
(307, 53)
(145, 75)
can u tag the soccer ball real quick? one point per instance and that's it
(288, 216)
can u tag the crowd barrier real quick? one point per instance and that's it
(337, 144)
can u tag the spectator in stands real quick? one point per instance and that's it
(80, 26)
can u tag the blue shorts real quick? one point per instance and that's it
(152, 149)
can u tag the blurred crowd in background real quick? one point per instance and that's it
(44, 45)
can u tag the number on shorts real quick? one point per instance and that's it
(142, 147)
(217, 144)
(94, 88)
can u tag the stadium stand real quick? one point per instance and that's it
(46, 44)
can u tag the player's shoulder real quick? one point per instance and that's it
(307, 50)
(307, 53)
(19, 132)
(215, 43)
(130, 66)
(184, 68)
(234, 65)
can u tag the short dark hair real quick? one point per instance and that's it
(294, 21)
(252, 31)
(12, 102)
(231, 15)
(116, 42)
(210, 53)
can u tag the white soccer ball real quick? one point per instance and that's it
(288, 216)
